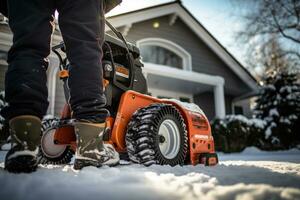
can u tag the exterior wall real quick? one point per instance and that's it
(206, 102)
(204, 60)
(3, 69)
(245, 104)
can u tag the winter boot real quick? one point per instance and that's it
(25, 131)
(91, 151)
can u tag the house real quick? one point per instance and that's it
(182, 60)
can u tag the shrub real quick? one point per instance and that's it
(235, 132)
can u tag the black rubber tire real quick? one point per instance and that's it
(142, 138)
(64, 158)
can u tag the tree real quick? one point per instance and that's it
(268, 57)
(279, 105)
(269, 22)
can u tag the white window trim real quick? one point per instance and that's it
(216, 81)
(171, 46)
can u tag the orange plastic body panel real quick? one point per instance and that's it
(198, 128)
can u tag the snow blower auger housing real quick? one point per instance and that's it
(142, 128)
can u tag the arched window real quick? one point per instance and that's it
(164, 52)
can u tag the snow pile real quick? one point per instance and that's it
(3, 124)
(258, 123)
(231, 179)
(188, 106)
(236, 132)
(2, 105)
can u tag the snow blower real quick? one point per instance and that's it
(142, 128)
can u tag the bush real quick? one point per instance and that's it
(235, 132)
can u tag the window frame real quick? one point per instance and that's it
(171, 46)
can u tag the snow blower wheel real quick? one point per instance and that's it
(157, 135)
(49, 152)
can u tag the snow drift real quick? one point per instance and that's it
(253, 174)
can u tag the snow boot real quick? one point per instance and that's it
(25, 132)
(91, 150)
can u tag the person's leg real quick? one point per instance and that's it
(82, 25)
(25, 81)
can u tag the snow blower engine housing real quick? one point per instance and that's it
(142, 128)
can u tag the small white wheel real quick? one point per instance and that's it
(49, 148)
(49, 152)
(169, 139)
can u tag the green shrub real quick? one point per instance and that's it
(235, 132)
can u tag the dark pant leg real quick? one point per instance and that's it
(25, 81)
(82, 26)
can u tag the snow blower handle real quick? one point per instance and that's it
(129, 57)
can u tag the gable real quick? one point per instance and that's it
(204, 60)
(177, 9)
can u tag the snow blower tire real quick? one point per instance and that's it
(49, 153)
(157, 135)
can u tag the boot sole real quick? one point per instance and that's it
(81, 163)
(21, 164)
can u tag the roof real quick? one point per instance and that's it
(176, 7)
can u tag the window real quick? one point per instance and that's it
(238, 110)
(161, 56)
(164, 52)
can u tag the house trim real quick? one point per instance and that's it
(171, 46)
(195, 26)
(183, 74)
(216, 81)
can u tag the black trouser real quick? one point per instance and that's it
(82, 27)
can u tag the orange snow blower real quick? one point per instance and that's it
(142, 128)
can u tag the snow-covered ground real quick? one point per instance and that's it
(250, 175)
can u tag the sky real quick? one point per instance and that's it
(219, 17)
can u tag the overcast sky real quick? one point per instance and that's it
(219, 17)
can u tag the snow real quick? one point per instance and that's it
(252, 174)
(273, 112)
(258, 123)
(188, 106)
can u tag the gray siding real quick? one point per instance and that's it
(203, 58)
(3, 69)
(206, 102)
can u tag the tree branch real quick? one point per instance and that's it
(281, 30)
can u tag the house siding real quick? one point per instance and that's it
(204, 60)
(205, 99)
(3, 69)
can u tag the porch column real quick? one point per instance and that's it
(219, 100)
